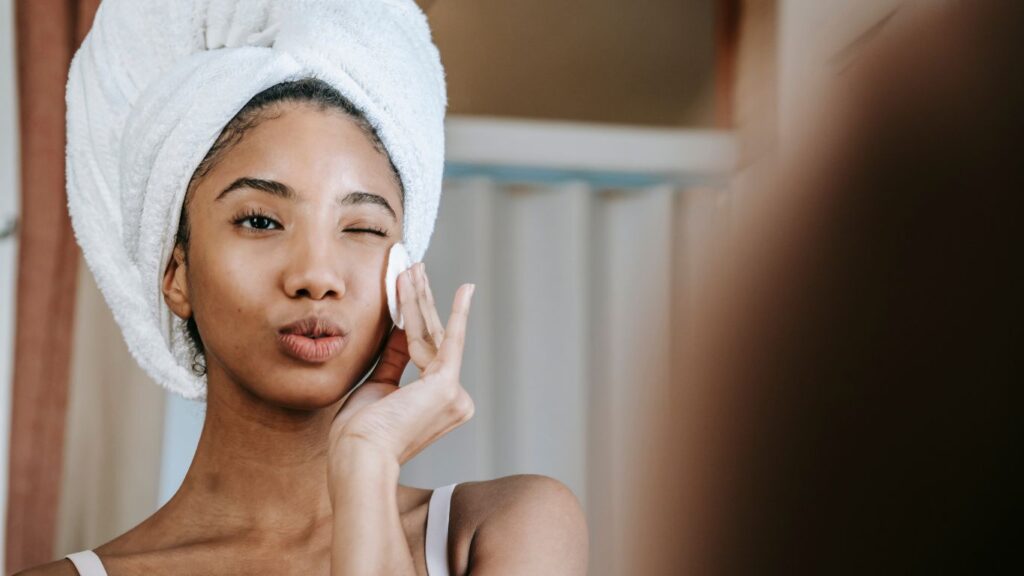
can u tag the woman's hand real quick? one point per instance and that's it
(381, 426)
(398, 423)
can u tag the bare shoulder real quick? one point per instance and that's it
(525, 523)
(60, 567)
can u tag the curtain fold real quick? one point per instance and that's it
(48, 32)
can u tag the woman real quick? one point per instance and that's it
(276, 273)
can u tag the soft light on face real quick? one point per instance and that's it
(295, 221)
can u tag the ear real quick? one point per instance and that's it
(175, 285)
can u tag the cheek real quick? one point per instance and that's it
(239, 294)
(367, 296)
(239, 281)
(239, 298)
(230, 296)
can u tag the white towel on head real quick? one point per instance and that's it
(155, 82)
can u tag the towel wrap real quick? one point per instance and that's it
(155, 82)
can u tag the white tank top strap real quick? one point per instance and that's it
(438, 511)
(436, 545)
(87, 563)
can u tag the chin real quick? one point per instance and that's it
(297, 387)
(309, 389)
(283, 381)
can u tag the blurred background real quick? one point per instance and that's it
(596, 151)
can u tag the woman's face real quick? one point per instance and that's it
(294, 222)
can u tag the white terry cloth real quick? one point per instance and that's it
(154, 83)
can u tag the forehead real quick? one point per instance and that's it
(319, 152)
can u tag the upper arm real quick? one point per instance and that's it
(536, 527)
(62, 567)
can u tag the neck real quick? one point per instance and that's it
(258, 467)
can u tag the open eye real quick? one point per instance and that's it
(255, 219)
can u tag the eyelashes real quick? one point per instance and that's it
(376, 231)
(255, 221)
(252, 216)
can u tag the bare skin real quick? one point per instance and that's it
(290, 475)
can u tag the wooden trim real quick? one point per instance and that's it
(540, 144)
(727, 34)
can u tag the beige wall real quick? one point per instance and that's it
(625, 61)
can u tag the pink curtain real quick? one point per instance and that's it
(48, 32)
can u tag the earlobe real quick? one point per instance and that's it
(175, 286)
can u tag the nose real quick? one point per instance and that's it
(313, 272)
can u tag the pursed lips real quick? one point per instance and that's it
(313, 339)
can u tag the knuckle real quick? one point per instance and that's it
(466, 406)
(460, 405)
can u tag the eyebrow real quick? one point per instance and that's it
(282, 190)
(358, 197)
(274, 187)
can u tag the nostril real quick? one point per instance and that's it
(318, 295)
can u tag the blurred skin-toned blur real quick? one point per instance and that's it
(850, 402)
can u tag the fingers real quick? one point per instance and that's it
(393, 360)
(415, 324)
(422, 347)
(426, 335)
(445, 405)
(426, 302)
(450, 353)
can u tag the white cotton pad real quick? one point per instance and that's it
(398, 262)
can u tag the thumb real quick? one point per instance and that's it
(382, 381)
(393, 359)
